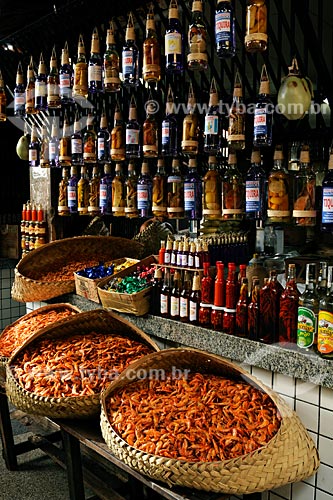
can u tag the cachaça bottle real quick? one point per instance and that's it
(65, 155)
(212, 191)
(327, 198)
(54, 144)
(156, 288)
(41, 86)
(213, 122)
(225, 37)
(289, 308)
(34, 147)
(19, 92)
(193, 192)
(80, 84)
(111, 63)
(90, 141)
(191, 129)
(184, 298)
(175, 296)
(118, 136)
(30, 89)
(278, 186)
(53, 90)
(83, 192)
(63, 208)
(263, 114)
(103, 139)
(253, 311)
(165, 295)
(118, 192)
(131, 183)
(241, 310)
(65, 77)
(174, 56)
(77, 142)
(175, 183)
(3, 100)
(256, 26)
(105, 191)
(144, 191)
(233, 191)
(72, 191)
(308, 308)
(44, 149)
(150, 131)
(170, 128)
(236, 129)
(151, 68)
(194, 300)
(255, 187)
(95, 64)
(93, 207)
(133, 149)
(304, 191)
(160, 191)
(130, 56)
(325, 321)
(197, 59)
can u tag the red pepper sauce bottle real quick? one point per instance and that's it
(288, 309)
(184, 298)
(241, 310)
(231, 287)
(206, 286)
(161, 253)
(194, 301)
(269, 309)
(253, 316)
(219, 285)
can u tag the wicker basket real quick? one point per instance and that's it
(100, 321)
(289, 456)
(28, 286)
(54, 307)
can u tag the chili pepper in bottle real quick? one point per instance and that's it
(216, 318)
(219, 286)
(165, 295)
(156, 292)
(205, 314)
(288, 308)
(194, 300)
(241, 274)
(241, 310)
(253, 311)
(175, 297)
(206, 286)
(184, 298)
(325, 321)
(231, 287)
(168, 251)
(229, 321)
(269, 309)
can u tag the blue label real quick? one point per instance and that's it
(128, 62)
(189, 196)
(143, 198)
(252, 193)
(260, 122)
(165, 132)
(223, 22)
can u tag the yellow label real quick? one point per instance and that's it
(173, 43)
(325, 332)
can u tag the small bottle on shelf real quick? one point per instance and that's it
(308, 308)
(184, 298)
(205, 315)
(193, 192)
(118, 192)
(72, 191)
(322, 288)
(191, 255)
(175, 297)
(156, 285)
(304, 190)
(161, 253)
(173, 258)
(255, 187)
(168, 251)
(77, 142)
(278, 186)
(327, 198)
(207, 286)
(83, 192)
(165, 295)
(90, 141)
(325, 321)
(288, 309)
(63, 207)
(65, 155)
(233, 192)
(103, 140)
(34, 148)
(131, 185)
(212, 191)
(194, 300)
(179, 256)
(241, 310)
(253, 311)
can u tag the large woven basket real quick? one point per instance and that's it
(28, 285)
(41, 310)
(289, 456)
(100, 321)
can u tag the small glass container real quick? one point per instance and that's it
(205, 314)
(216, 318)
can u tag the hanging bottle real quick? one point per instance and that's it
(253, 312)
(93, 207)
(175, 297)
(151, 68)
(212, 191)
(160, 191)
(95, 64)
(131, 183)
(105, 191)
(65, 77)
(34, 148)
(184, 298)
(170, 128)
(144, 191)
(213, 122)
(77, 142)
(80, 84)
(327, 198)
(225, 37)
(308, 308)
(130, 56)
(72, 191)
(63, 208)
(83, 192)
(256, 26)
(193, 192)
(30, 89)
(53, 91)
(90, 142)
(191, 129)
(197, 59)
(3, 100)
(19, 92)
(263, 114)
(241, 310)
(255, 186)
(288, 310)
(325, 321)
(150, 130)
(41, 86)
(118, 192)
(103, 140)
(236, 129)
(44, 149)
(133, 149)
(233, 192)
(111, 63)
(174, 41)
(65, 154)
(54, 144)
(278, 186)
(304, 191)
(175, 183)
(118, 136)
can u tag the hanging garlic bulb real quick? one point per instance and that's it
(295, 93)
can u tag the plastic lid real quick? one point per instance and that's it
(202, 304)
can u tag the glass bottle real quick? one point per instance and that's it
(151, 68)
(327, 198)
(233, 192)
(156, 288)
(194, 300)
(53, 90)
(44, 149)
(65, 154)
(256, 26)
(168, 251)
(205, 315)
(236, 129)
(34, 148)
(288, 310)
(174, 41)
(193, 192)
(212, 191)
(80, 84)
(65, 77)
(253, 312)
(255, 187)
(118, 192)
(105, 191)
(54, 144)
(207, 286)
(30, 89)
(144, 190)
(191, 254)
(150, 131)
(83, 192)
(241, 310)
(175, 297)
(118, 136)
(103, 140)
(161, 253)
(3, 100)
(269, 301)
(131, 182)
(278, 208)
(72, 191)
(322, 288)
(19, 92)
(133, 149)
(90, 141)
(63, 208)
(175, 183)
(184, 298)
(170, 128)
(213, 122)
(111, 63)
(308, 307)
(225, 37)
(77, 142)
(165, 295)
(197, 59)
(160, 191)
(219, 285)
(130, 56)
(173, 259)
(304, 207)
(263, 114)
(191, 129)
(270, 240)
(325, 321)
(95, 64)
(93, 207)
(40, 86)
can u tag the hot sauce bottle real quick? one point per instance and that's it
(219, 298)
(206, 286)
(253, 317)
(288, 308)
(194, 300)
(269, 309)
(241, 310)
(229, 317)
(205, 314)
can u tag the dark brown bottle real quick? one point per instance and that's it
(184, 298)
(157, 284)
(194, 301)
(175, 297)
(165, 295)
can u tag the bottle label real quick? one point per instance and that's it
(33, 155)
(132, 136)
(164, 304)
(189, 196)
(190, 261)
(166, 258)
(143, 197)
(193, 311)
(327, 210)
(306, 327)
(76, 145)
(94, 73)
(40, 89)
(64, 81)
(222, 26)
(103, 194)
(260, 122)
(183, 307)
(53, 150)
(184, 261)
(173, 44)
(128, 62)
(252, 193)
(165, 132)
(278, 213)
(19, 100)
(72, 196)
(211, 125)
(100, 146)
(325, 332)
(52, 90)
(197, 262)
(174, 306)
(179, 259)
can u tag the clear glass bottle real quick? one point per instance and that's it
(53, 90)
(63, 208)
(54, 144)
(256, 26)
(118, 136)
(233, 192)
(212, 191)
(213, 122)
(278, 186)
(327, 198)
(193, 192)
(150, 131)
(105, 191)
(270, 240)
(72, 191)
(197, 59)
(288, 310)
(304, 192)
(322, 287)
(174, 56)
(151, 68)
(308, 308)
(77, 142)
(133, 148)
(90, 141)
(130, 56)
(111, 63)
(30, 89)
(80, 84)
(175, 183)
(19, 92)
(144, 191)
(255, 188)
(191, 129)
(118, 192)
(34, 148)
(160, 191)
(65, 154)
(263, 114)
(95, 64)
(236, 129)
(325, 321)
(225, 37)
(3, 100)
(93, 207)
(103, 140)
(83, 192)
(131, 183)
(170, 128)
(40, 86)
(44, 149)
(65, 77)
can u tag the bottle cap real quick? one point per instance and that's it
(130, 32)
(278, 153)
(110, 35)
(145, 168)
(202, 304)
(232, 159)
(192, 163)
(118, 167)
(305, 155)
(212, 160)
(255, 156)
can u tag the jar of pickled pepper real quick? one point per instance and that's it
(205, 314)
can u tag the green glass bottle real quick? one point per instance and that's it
(308, 307)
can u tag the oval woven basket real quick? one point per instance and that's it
(28, 284)
(289, 456)
(100, 321)
(33, 314)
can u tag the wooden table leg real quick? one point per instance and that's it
(73, 466)
(6, 431)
